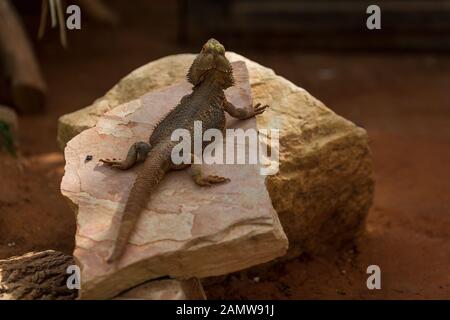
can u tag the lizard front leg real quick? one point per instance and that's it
(241, 113)
(137, 153)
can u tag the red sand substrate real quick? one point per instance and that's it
(401, 99)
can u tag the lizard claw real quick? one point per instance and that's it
(111, 163)
(258, 109)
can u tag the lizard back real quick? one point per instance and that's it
(203, 104)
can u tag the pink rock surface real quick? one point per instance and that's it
(166, 289)
(186, 230)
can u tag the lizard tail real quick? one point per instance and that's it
(153, 170)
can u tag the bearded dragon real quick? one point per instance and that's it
(210, 74)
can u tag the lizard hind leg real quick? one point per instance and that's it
(198, 174)
(203, 179)
(136, 154)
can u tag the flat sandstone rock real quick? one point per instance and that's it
(186, 230)
(324, 188)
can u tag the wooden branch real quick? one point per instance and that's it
(20, 64)
(36, 276)
(42, 275)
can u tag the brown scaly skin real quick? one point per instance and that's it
(210, 74)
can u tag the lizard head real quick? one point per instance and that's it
(211, 61)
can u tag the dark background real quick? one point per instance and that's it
(393, 82)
